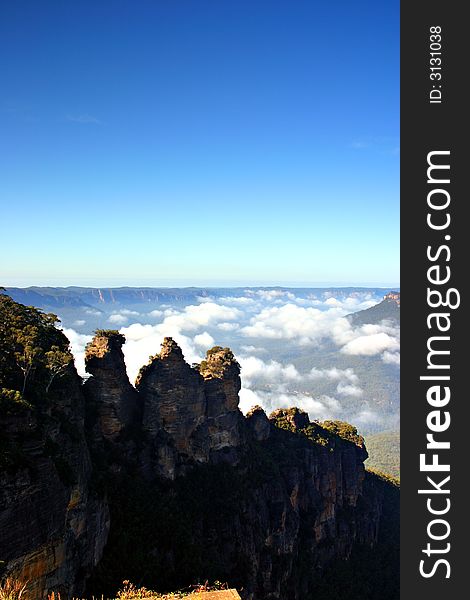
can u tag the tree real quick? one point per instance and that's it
(29, 355)
(57, 362)
(33, 352)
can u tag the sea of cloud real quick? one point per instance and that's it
(250, 323)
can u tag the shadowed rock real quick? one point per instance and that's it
(116, 400)
(173, 394)
(258, 423)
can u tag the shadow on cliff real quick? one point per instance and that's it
(167, 483)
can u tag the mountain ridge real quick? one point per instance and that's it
(386, 310)
(90, 296)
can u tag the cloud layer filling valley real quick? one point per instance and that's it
(252, 325)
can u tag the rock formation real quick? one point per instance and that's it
(199, 490)
(190, 414)
(116, 401)
(173, 397)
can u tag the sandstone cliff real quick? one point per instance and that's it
(168, 483)
(53, 527)
(190, 414)
(116, 402)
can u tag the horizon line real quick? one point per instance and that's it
(319, 285)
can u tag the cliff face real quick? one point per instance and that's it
(53, 528)
(269, 525)
(190, 414)
(186, 487)
(264, 503)
(117, 403)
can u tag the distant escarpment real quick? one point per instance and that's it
(386, 310)
(167, 483)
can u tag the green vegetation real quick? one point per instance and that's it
(344, 430)
(33, 353)
(216, 349)
(325, 433)
(216, 368)
(384, 452)
(111, 334)
(385, 477)
(12, 402)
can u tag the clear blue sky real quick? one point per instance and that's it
(180, 142)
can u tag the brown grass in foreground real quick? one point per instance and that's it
(11, 589)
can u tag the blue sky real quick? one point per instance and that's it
(197, 142)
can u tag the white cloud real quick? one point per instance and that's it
(117, 319)
(79, 322)
(392, 358)
(253, 369)
(248, 399)
(272, 294)
(250, 349)
(351, 303)
(274, 385)
(137, 331)
(334, 374)
(311, 326)
(345, 389)
(240, 300)
(366, 417)
(228, 326)
(267, 315)
(368, 345)
(182, 325)
(305, 325)
(193, 317)
(205, 340)
(78, 341)
(321, 407)
(144, 341)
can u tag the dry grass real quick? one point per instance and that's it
(10, 589)
(130, 592)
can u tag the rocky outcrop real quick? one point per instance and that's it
(295, 418)
(173, 397)
(393, 297)
(116, 402)
(224, 424)
(190, 414)
(258, 423)
(186, 487)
